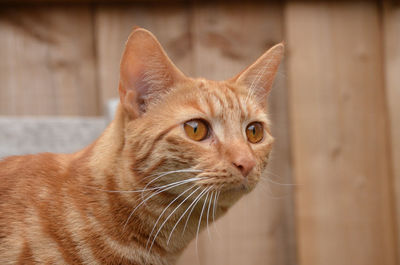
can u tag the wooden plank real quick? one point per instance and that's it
(391, 20)
(227, 38)
(47, 61)
(344, 204)
(113, 25)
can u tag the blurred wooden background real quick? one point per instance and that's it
(335, 107)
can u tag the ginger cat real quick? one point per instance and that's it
(179, 153)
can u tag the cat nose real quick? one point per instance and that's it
(244, 164)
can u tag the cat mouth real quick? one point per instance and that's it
(242, 187)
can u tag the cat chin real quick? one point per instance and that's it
(231, 195)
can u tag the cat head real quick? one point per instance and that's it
(210, 134)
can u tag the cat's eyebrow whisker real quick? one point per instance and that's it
(169, 217)
(183, 214)
(170, 186)
(165, 209)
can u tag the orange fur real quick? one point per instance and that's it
(65, 208)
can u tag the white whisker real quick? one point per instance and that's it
(172, 172)
(194, 206)
(145, 189)
(208, 213)
(165, 209)
(215, 209)
(180, 218)
(170, 186)
(152, 243)
(267, 187)
(187, 170)
(277, 183)
(198, 226)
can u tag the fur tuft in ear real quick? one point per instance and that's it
(146, 72)
(259, 77)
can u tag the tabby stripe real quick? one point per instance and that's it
(195, 105)
(218, 98)
(239, 104)
(154, 166)
(229, 100)
(159, 137)
(54, 226)
(74, 215)
(119, 210)
(26, 256)
(93, 233)
(210, 106)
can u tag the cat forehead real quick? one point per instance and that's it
(216, 99)
(202, 88)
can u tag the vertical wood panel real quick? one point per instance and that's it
(339, 134)
(47, 64)
(391, 32)
(226, 38)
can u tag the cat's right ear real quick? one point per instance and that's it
(259, 77)
(146, 73)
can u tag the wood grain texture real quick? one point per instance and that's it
(339, 131)
(47, 61)
(226, 39)
(391, 37)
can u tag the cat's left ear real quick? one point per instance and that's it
(259, 77)
(146, 73)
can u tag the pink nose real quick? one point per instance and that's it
(244, 164)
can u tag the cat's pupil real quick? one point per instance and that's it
(254, 130)
(195, 128)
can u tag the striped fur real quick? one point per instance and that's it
(85, 208)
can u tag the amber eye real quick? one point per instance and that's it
(196, 129)
(255, 132)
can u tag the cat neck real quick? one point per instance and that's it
(125, 218)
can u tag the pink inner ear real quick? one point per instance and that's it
(133, 76)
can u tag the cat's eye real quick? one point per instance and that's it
(196, 129)
(255, 132)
